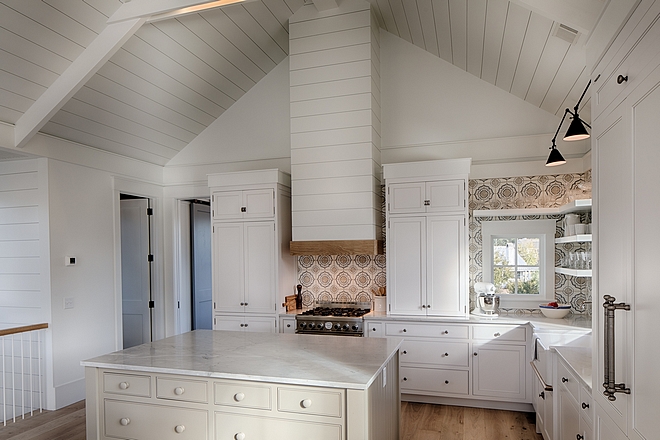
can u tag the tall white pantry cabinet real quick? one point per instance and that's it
(626, 157)
(252, 268)
(426, 240)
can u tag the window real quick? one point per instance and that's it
(518, 257)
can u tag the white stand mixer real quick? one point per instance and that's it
(488, 304)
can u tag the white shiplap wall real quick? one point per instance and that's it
(335, 123)
(22, 195)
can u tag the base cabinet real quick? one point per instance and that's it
(473, 361)
(245, 323)
(575, 407)
(499, 371)
(144, 405)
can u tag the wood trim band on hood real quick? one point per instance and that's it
(337, 247)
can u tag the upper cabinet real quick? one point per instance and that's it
(434, 196)
(251, 227)
(427, 237)
(248, 204)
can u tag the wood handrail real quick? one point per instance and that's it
(22, 329)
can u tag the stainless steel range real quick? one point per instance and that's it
(334, 318)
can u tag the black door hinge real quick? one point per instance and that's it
(151, 304)
(150, 258)
(150, 211)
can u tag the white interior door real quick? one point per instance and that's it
(135, 282)
(202, 291)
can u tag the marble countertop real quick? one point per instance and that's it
(579, 360)
(315, 360)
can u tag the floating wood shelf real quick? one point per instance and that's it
(574, 206)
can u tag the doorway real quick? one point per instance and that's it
(136, 270)
(201, 280)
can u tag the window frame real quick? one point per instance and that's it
(542, 229)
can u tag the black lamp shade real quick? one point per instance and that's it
(576, 131)
(555, 158)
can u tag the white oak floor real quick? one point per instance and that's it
(418, 422)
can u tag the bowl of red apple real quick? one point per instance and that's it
(555, 310)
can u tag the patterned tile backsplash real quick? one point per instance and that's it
(357, 277)
(340, 277)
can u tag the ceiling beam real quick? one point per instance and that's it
(109, 41)
(154, 10)
(580, 15)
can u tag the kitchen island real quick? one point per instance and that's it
(218, 385)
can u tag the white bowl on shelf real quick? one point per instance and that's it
(555, 312)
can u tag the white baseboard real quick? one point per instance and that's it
(473, 403)
(69, 393)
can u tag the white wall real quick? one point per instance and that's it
(252, 134)
(431, 109)
(81, 225)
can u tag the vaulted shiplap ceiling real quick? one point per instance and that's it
(174, 77)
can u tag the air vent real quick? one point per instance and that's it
(564, 32)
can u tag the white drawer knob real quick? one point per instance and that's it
(239, 396)
(306, 403)
(239, 436)
(178, 391)
(179, 429)
(124, 385)
(124, 421)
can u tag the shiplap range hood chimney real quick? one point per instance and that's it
(335, 130)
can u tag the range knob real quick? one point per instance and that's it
(345, 327)
(303, 325)
(319, 326)
(337, 326)
(354, 328)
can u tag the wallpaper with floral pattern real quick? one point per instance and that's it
(531, 192)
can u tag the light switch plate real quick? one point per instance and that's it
(68, 303)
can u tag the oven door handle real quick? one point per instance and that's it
(546, 387)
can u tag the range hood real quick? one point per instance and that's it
(335, 130)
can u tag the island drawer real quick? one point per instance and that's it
(127, 384)
(236, 426)
(567, 379)
(243, 395)
(433, 381)
(435, 352)
(434, 330)
(302, 400)
(182, 389)
(154, 422)
(499, 333)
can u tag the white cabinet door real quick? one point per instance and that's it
(406, 261)
(644, 422)
(445, 196)
(569, 417)
(246, 204)
(499, 371)
(228, 267)
(406, 198)
(445, 271)
(229, 323)
(227, 205)
(287, 324)
(246, 323)
(244, 267)
(259, 239)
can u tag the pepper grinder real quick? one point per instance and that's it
(299, 297)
